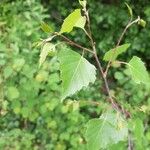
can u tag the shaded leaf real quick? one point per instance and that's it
(113, 53)
(109, 129)
(75, 19)
(46, 28)
(138, 70)
(18, 64)
(48, 48)
(130, 10)
(76, 72)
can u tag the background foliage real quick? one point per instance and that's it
(31, 115)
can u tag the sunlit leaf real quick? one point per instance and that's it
(75, 19)
(76, 72)
(81, 22)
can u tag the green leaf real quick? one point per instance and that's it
(130, 10)
(142, 23)
(46, 28)
(8, 71)
(47, 49)
(25, 112)
(83, 3)
(12, 93)
(109, 129)
(18, 64)
(81, 22)
(75, 19)
(113, 53)
(76, 72)
(138, 70)
(138, 132)
(37, 43)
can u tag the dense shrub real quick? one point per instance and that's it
(32, 116)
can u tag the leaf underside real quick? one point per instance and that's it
(76, 72)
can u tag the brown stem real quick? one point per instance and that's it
(119, 41)
(70, 42)
(114, 104)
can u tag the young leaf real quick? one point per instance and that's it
(75, 19)
(46, 28)
(142, 23)
(83, 3)
(111, 55)
(130, 10)
(109, 129)
(76, 72)
(138, 70)
(81, 22)
(48, 48)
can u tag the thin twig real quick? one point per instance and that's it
(130, 23)
(89, 34)
(122, 62)
(70, 42)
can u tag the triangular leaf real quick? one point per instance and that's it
(113, 53)
(75, 19)
(109, 129)
(138, 70)
(76, 72)
(46, 28)
(48, 48)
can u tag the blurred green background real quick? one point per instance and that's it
(31, 114)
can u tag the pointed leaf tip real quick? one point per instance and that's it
(75, 19)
